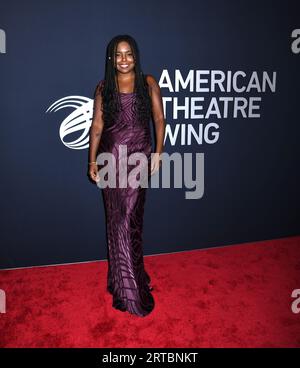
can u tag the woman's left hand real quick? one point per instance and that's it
(155, 162)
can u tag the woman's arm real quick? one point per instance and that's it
(96, 126)
(95, 134)
(157, 113)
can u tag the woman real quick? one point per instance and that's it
(123, 105)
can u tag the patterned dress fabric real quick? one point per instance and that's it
(127, 279)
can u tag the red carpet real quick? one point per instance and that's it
(234, 296)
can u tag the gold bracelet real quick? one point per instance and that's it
(92, 162)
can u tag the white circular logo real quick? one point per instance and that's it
(79, 120)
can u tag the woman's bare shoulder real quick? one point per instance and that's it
(101, 82)
(151, 80)
(99, 88)
(153, 84)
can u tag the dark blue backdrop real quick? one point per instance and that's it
(51, 213)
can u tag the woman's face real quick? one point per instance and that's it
(124, 58)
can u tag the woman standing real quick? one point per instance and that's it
(124, 102)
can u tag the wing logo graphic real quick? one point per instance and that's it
(78, 121)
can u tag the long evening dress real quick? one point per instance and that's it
(127, 279)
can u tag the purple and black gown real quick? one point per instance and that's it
(127, 279)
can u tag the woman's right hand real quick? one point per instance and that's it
(93, 172)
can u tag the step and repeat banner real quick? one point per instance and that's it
(229, 74)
